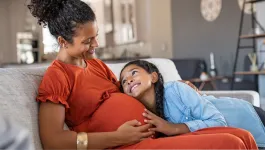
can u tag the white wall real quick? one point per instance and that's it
(13, 19)
(4, 31)
(261, 19)
(161, 28)
(155, 26)
(16, 22)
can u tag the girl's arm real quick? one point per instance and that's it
(163, 126)
(202, 112)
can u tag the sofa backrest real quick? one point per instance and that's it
(19, 87)
(165, 66)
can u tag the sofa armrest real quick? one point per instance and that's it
(250, 96)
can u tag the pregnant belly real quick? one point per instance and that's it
(114, 112)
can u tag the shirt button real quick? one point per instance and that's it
(187, 118)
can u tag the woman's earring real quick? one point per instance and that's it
(64, 46)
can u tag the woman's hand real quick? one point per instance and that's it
(133, 132)
(163, 126)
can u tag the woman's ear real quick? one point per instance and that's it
(154, 76)
(62, 42)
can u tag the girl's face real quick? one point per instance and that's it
(84, 42)
(136, 81)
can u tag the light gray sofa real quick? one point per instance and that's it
(19, 87)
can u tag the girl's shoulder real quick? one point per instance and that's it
(181, 84)
(173, 84)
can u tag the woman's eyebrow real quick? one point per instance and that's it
(91, 36)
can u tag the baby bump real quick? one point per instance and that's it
(114, 112)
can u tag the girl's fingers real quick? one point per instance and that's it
(150, 122)
(153, 130)
(148, 116)
(148, 112)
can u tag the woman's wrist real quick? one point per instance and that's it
(118, 138)
(105, 140)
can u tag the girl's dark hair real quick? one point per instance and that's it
(62, 16)
(159, 85)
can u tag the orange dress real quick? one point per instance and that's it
(94, 103)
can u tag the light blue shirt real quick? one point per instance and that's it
(182, 104)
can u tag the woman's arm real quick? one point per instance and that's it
(53, 136)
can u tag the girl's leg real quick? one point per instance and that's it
(261, 114)
(244, 135)
(192, 141)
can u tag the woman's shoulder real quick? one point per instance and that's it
(55, 68)
(56, 72)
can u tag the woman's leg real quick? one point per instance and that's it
(244, 135)
(191, 141)
(261, 114)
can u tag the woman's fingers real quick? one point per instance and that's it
(144, 128)
(133, 123)
(147, 134)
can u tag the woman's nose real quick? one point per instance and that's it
(95, 43)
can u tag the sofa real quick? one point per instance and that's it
(19, 88)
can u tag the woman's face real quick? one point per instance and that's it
(136, 81)
(84, 42)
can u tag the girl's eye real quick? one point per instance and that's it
(134, 72)
(123, 81)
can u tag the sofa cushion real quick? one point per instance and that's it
(18, 90)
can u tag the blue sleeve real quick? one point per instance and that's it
(203, 112)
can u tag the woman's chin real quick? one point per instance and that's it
(89, 56)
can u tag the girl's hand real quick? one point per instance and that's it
(132, 132)
(160, 125)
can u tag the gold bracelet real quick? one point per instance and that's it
(82, 140)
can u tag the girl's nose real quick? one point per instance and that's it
(130, 80)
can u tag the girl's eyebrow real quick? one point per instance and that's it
(133, 69)
(129, 71)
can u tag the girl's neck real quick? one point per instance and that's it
(148, 99)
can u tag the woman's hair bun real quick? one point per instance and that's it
(45, 10)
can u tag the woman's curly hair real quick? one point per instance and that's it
(62, 16)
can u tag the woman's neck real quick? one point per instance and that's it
(65, 58)
(148, 99)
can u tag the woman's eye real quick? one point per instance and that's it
(87, 42)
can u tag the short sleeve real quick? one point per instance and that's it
(54, 87)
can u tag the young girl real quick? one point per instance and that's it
(176, 108)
